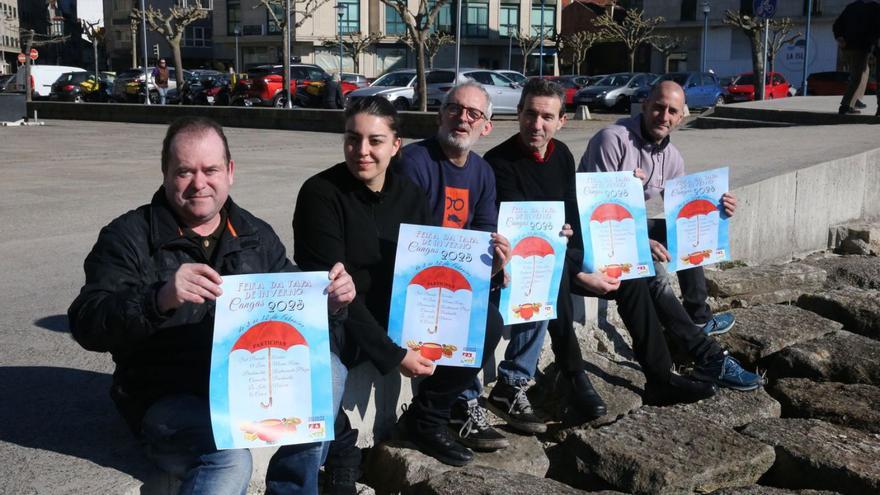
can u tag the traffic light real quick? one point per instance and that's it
(156, 50)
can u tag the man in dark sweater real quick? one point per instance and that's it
(460, 189)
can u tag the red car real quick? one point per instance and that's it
(743, 87)
(571, 84)
(264, 83)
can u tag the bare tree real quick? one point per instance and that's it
(34, 40)
(577, 44)
(753, 28)
(299, 17)
(354, 44)
(433, 43)
(667, 45)
(527, 44)
(632, 31)
(171, 26)
(134, 22)
(418, 27)
(95, 34)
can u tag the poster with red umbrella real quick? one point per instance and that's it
(696, 226)
(440, 292)
(537, 257)
(270, 363)
(614, 225)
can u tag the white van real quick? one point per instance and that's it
(42, 77)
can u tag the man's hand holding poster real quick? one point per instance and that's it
(696, 225)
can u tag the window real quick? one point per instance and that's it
(351, 17)
(443, 22)
(549, 19)
(508, 22)
(272, 26)
(233, 16)
(476, 20)
(394, 25)
(689, 10)
(197, 36)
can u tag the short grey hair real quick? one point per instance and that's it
(470, 83)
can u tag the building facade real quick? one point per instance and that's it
(10, 46)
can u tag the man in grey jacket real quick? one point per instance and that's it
(641, 144)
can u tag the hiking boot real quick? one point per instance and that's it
(678, 390)
(585, 398)
(727, 372)
(435, 442)
(470, 426)
(511, 404)
(341, 480)
(719, 324)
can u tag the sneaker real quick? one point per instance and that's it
(858, 104)
(511, 404)
(727, 372)
(435, 442)
(341, 480)
(585, 398)
(719, 324)
(678, 390)
(470, 426)
(848, 111)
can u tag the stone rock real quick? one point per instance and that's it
(732, 408)
(765, 284)
(769, 490)
(858, 309)
(852, 405)
(525, 455)
(763, 330)
(668, 450)
(479, 480)
(856, 238)
(814, 454)
(839, 356)
(858, 271)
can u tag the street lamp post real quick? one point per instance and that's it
(509, 49)
(807, 46)
(237, 32)
(340, 12)
(704, 60)
(541, 43)
(457, 39)
(144, 31)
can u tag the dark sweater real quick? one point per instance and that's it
(337, 218)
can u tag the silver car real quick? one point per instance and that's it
(396, 86)
(503, 92)
(514, 76)
(613, 91)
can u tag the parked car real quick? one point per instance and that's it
(833, 83)
(82, 86)
(358, 80)
(701, 89)
(514, 76)
(195, 87)
(743, 87)
(396, 86)
(572, 85)
(263, 86)
(613, 92)
(42, 79)
(503, 92)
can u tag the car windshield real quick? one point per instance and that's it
(73, 77)
(394, 79)
(614, 80)
(440, 76)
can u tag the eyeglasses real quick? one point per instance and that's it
(471, 114)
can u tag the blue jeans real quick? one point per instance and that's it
(178, 437)
(162, 94)
(520, 357)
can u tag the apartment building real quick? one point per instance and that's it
(9, 36)
(729, 51)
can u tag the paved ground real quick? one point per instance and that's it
(65, 180)
(821, 104)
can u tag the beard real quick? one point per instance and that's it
(463, 143)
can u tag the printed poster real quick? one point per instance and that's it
(614, 225)
(537, 259)
(271, 380)
(696, 225)
(440, 293)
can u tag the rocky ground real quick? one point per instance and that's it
(812, 324)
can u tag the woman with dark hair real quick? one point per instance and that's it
(352, 212)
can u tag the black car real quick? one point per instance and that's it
(196, 86)
(72, 86)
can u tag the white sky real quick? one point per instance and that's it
(90, 10)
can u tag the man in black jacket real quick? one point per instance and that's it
(856, 32)
(151, 282)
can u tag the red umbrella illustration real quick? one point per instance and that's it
(534, 247)
(697, 208)
(440, 277)
(268, 335)
(608, 212)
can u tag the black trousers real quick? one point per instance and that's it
(692, 282)
(431, 406)
(563, 338)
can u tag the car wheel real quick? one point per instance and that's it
(154, 97)
(719, 101)
(401, 104)
(280, 101)
(78, 99)
(622, 104)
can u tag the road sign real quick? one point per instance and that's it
(22, 58)
(34, 54)
(765, 9)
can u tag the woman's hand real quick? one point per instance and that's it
(598, 283)
(414, 364)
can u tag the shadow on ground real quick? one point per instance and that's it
(56, 323)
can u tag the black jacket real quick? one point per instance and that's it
(858, 25)
(337, 218)
(158, 355)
